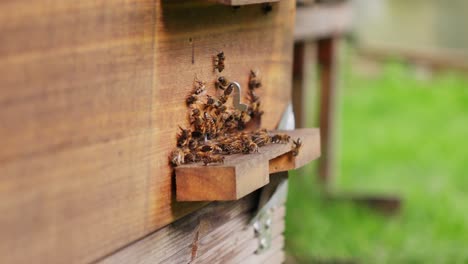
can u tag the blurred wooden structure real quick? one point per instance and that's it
(319, 28)
(92, 96)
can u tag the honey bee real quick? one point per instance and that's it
(250, 147)
(254, 81)
(253, 97)
(254, 109)
(191, 157)
(199, 87)
(183, 137)
(177, 157)
(232, 147)
(223, 99)
(219, 61)
(192, 144)
(191, 99)
(221, 83)
(229, 89)
(297, 144)
(210, 148)
(207, 159)
(280, 138)
(261, 137)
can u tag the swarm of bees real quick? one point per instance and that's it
(217, 130)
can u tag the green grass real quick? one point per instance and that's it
(398, 135)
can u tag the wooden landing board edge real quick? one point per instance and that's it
(309, 151)
(242, 174)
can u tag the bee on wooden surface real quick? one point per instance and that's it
(233, 147)
(219, 61)
(249, 147)
(183, 137)
(192, 144)
(297, 144)
(197, 134)
(229, 89)
(211, 148)
(223, 99)
(280, 138)
(199, 87)
(191, 157)
(197, 121)
(245, 117)
(177, 157)
(252, 96)
(254, 81)
(191, 99)
(221, 83)
(261, 137)
(207, 159)
(220, 109)
(255, 109)
(210, 126)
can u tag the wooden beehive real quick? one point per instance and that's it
(92, 93)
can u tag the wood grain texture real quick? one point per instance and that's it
(92, 93)
(323, 20)
(218, 233)
(242, 174)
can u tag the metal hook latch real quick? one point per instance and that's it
(236, 100)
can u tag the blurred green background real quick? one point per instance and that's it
(402, 131)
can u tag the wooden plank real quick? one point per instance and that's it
(177, 239)
(93, 95)
(244, 2)
(323, 20)
(218, 233)
(242, 174)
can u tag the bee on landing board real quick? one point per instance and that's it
(261, 137)
(219, 61)
(177, 157)
(297, 144)
(280, 138)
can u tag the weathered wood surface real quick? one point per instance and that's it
(92, 93)
(218, 233)
(323, 20)
(245, 2)
(242, 174)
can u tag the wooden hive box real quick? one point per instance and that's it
(92, 93)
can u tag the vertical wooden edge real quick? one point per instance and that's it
(251, 178)
(199, 184)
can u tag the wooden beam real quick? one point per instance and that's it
(327, 60)
(323, 20)
(241, 174)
